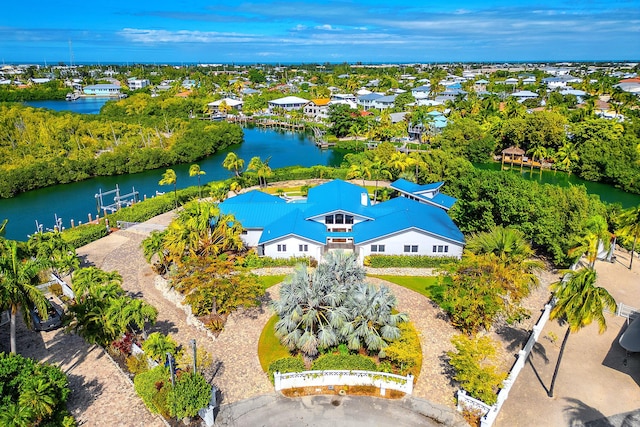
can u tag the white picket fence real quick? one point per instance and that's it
(381, 380)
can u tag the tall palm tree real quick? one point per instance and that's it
(539, 152)
(579, 302)
(51, 246)
(233, 163)
(261, 168)
(379, 171)
(359, 170)
(3, 227)
(170, 178)
(190, 232)
(18, 286)
(194, 170)
(629, 227)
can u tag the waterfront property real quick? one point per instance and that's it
(338, 215)
(288, 103)
(102, 90)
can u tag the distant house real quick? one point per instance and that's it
(426, 193)
(511, 81)
(560, 81)
(288, 103)
(524, 94)
(480, 85)
(338, 215)
(40, 81)
(317, 109)
(384, 102)
(367, 101)
(235, 104)
(135, 84)
(421, 91)
(102, 90)
(188, 83)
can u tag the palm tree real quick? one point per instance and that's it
(333, 305)
(629, 226)
(540, 152)
(596, 233)
(233, 163)
(16, 415)
(579, 302)
(154, 245)
(567, 155)
(508, 244)
(87, 280)
(379, 171)
(261, 168)
(51, 246)
(18, 286)
(3, 227)
(157, 345)
(359, 170)
(194, 170)
(169, 178)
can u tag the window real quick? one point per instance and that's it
(328, 219)
(339, 219)
(414, 248)
(282, 248)
(435, 248)
(348, 219)
(446, 248)
(303, 248)
(244, 232)
(407, 248)
(374, 248)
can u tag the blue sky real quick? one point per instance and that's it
(318, 31)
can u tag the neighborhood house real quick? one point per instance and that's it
(338, 215)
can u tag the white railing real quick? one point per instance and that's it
(66, 289)
(491, 412)
(626, 311)
(381, 380)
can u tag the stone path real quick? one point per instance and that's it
(100, 393)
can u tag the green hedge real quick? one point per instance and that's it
(153, 387)
(415, 261)
(252, 260)
(84, 234)
(285, 365)
(350, 362)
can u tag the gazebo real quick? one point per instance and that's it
(513, 155)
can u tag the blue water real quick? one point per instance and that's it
(80, 105)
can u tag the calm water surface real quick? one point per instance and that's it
(80, 105)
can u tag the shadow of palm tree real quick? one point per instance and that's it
(164, 326)
(579, 414)
(82, 393)
(622, 361)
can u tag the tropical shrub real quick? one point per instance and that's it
(474, 364)
(32, 393)
(252, 260)
(153, 386)
(191, 393)
(157, 345)
(405, 353)
(351, 362)
(414, 261)
(286, 364)
(137, 364)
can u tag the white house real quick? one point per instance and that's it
(102, 90)
(368, 101)
(338, 215)
(234, 104)
(288, 103)
(318, 109)
(135, 84)
(524, 94)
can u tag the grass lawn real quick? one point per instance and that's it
(427, 286)
(269, 281)
(269, 347)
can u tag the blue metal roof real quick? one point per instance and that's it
(294, 224)
(401, 214)
(279, 219)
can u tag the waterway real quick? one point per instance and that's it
(81, 105)
(77, 200)
(607, 193)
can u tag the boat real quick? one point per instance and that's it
(72, 96)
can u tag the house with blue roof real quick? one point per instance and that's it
(426, 193)
(338, 215)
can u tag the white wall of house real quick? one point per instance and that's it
(288, 247)
(252, 237)
(395, 245)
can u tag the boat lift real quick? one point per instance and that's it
(119, 200)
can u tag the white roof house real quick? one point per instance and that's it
(524, 94)
(288, 103)
(230, 102)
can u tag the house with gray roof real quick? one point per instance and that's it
(367, 101)
(338, 215)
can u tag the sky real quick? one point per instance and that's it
(305, 31)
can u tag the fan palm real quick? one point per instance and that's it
(579, 302)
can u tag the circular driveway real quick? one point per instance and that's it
(332, 411)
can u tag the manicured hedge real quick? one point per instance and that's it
(285, 365)
(350, 362)
(84, 234)
(415, 261)
(252, 260)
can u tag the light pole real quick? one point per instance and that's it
(193, 346)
